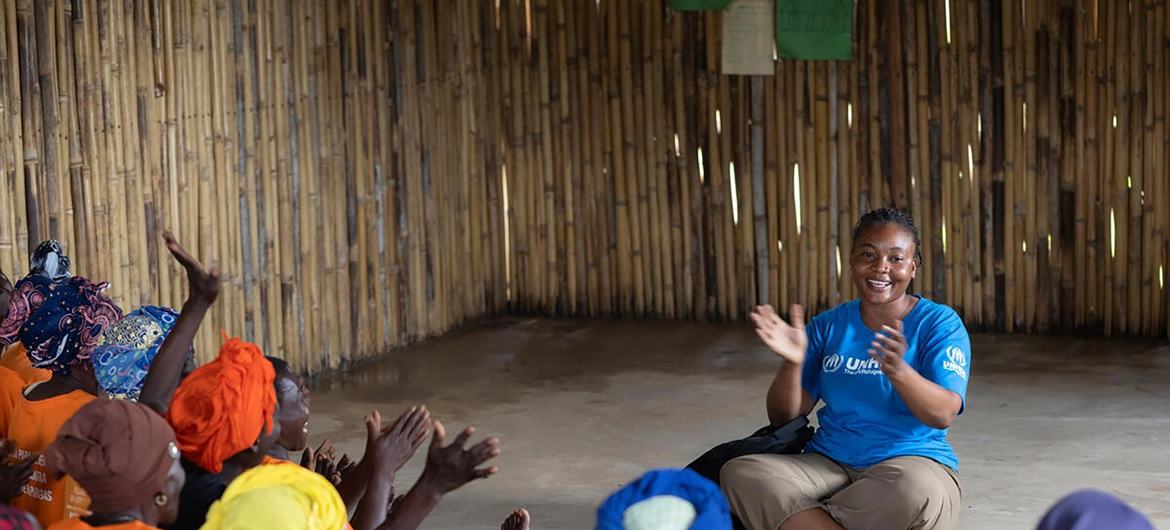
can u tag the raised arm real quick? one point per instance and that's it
(203, 285)
(392, 449)
(448, 468)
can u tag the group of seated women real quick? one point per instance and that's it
(106, 422)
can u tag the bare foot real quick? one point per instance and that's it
(517, 521)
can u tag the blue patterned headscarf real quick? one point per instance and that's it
(127, 348)
(707, 508)
(62, 330)
(47, 264)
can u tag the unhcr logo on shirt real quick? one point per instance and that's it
(831, 363)
(853, 366)
(956, 361)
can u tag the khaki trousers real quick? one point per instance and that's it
(899, 493)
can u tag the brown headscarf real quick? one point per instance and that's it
(119, 451)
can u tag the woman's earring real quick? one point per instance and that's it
(160, 499)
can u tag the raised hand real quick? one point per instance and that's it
(387, 450)
(323, 461)
(14, 475)
(889, 348)
(204, 283)
(395, 445)
(789, 341)
(453, 466)
(165, 371)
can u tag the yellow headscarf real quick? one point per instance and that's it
(286, 496)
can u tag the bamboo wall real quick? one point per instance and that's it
(318, 152)
(1030, 146)
(371, 172)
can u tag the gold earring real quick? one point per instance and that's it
(160, 499)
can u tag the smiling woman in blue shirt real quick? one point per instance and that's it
(891, 368)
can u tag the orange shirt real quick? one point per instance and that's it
(78, 524)
(15, 358)
(32, 426)
(10, 387)
(272, 461)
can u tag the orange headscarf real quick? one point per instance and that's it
(221, 407)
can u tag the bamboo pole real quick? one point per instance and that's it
(918, 114)
(769, 289)
(569, 173)
(48, 121)
(8, 253)
(759, 197)
(658, 151)
(720, 185)
(1113, 178)
(839, 250)
(786, 229)
(1135, 112)
(1160, 171)
(825, 244)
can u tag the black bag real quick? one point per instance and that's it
(787, 439)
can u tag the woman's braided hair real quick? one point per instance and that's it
(883, 216)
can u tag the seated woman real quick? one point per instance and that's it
(292, 414)
(289, 497)
(293, 396)
(125, 456)
(61, 329)
(663, 499)
(222, 415)
(47, 261)
(892, 370)
(59, 326)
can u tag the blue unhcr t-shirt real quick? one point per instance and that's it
(864, 420)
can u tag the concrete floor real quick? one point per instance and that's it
(582, 407)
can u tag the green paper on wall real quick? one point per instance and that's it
(698, 5)
(814, 29)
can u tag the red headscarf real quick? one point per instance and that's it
(222, 407)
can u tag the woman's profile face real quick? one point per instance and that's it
(883, 262)
(294, 413)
